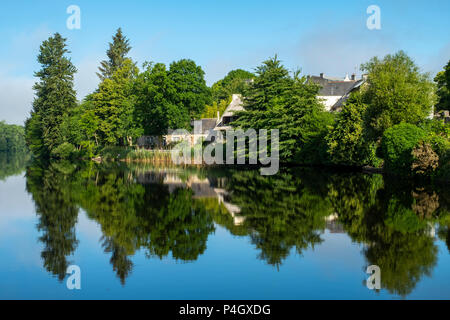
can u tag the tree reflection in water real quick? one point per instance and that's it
(172, 212)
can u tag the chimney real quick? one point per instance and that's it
(353, 77)
(321, 75)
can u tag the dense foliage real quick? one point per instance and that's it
(278, 100)
(126, 105)
(12, 138)
(396, 92)
(388, 118)
(398, 144)
(347, 141)
(55, 97)
(443, 88)
(113, 105)
(235, 82)
(192, 92)
(130, 103)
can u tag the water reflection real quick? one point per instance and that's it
(172, 212)
(12, 164)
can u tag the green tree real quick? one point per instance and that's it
(443, 88)
(113, 103)
(117, 54)
(277, 100)
(192, 91)
(12, 138)
(156, 106)
(396, 92)
(55, 97)
(347, 144)
(397, 147)
(236, 82)
(211, 111)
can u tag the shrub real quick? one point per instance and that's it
(426, 160)
(63, 151)
(397, 145)
(438, 136)
(346, 142)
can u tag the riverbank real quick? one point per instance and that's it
(164, 157)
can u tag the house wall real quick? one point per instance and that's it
(329, 101)
(193, 139)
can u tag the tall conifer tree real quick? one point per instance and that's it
(117, 54)
(55, 96)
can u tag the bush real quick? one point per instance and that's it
(63, 151)
(438, 137)
(346, 142)
(426, 160)
(397, 145)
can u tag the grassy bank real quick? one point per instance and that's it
(128, 154)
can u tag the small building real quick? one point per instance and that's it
(229, 116)
(334, 92)
(194, 137)
(208, 126)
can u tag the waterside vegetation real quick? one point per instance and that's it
(385, 124)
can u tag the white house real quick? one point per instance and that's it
(228, 116)
(335, 92)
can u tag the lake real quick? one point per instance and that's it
(143, 232)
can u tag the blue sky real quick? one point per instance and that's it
(316, 36)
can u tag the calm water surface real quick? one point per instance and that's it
(140, 232)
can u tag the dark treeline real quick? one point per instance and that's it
(12, 138)
(139, 209)
(384, 124)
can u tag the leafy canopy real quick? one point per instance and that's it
(443, 88)
(277, 100)
(156, 101)
(396, 92)
(190, 85)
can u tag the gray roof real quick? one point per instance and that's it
(336, 88)
(208, 125)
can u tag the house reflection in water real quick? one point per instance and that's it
(333, 225)
(201, 188)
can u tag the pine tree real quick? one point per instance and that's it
(117, 54)
(55, 96)
(277, 100)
